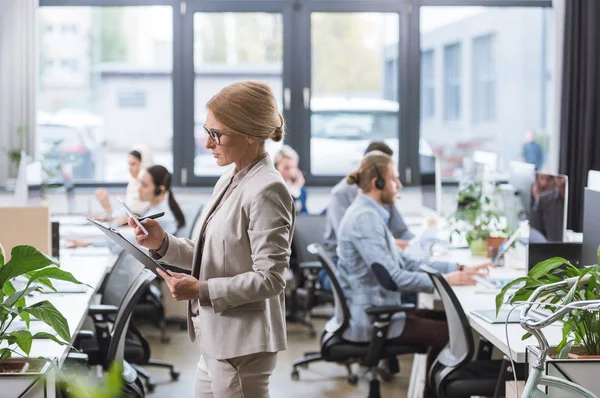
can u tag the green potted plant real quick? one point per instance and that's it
(36, 270)
(478, 217)
(580, 329)
(14, 154)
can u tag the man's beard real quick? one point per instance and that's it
(388, 198)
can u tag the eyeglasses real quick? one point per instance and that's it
(214, 135)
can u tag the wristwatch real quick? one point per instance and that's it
(460, 267)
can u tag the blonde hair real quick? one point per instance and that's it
(366, 170)
(286, 152)
(249, 108)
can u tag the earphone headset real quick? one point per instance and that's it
(165, 181)
(379, 182)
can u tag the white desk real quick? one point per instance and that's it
(479, 298)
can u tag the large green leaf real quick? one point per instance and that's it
(23, 340)
(565, 349)
(24, 259)
(500, 296)
(44, 335)
(46, 282)
(8, 288)
(571, 294)
(20, 295)
(53, 273)
(47, 313)
(544, 267)
(2, 255)
(5, 353)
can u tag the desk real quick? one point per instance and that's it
(479, 298)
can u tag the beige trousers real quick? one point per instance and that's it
(240, 377)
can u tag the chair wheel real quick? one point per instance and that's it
(175, 376)
(353, 380)
(295, 375)
(312, 334)
(165, 339)
(150, 387)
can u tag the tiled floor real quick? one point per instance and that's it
(319, 380)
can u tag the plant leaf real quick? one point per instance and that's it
(44, 335)
(526, 336)
(571, 294)
(114, 381)
(3, 256)
(8, 288)
(500, 296)
(25, 317)
(5, 353)
(565, 350)
(46, 282)
(53, 273)
(13, 298)
(46, 312)
(24, 259)
(23, 340)
(546, 266)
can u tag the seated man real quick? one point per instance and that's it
(342, 196)
(373, 271)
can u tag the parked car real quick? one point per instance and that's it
(76, 149)
(342, 128)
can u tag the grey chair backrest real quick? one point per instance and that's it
(341, 310)
(461, 347)
(192, 212)
(120, 326)
(122, 275)
(309, 229)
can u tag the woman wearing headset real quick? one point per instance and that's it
(236, 291)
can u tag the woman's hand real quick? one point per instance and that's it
(102, 197)
(156, 233)
(480, 269)
(182, 286)
(459, 278)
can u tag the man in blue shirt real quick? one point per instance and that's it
(374, 271)
(341, 197)
(532, 151)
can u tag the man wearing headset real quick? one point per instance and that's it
(374, 271)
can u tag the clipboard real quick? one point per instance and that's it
(130, 248)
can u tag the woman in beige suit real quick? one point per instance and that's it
(236, 290)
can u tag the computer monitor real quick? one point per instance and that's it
(594, 180)
(549, 210)
(521, 177)
(538, 252)
(591, 227)
(431, 183)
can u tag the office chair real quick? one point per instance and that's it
(137, 350)
(108, 343)
(308, 229)
(454, 374)
(335, 349)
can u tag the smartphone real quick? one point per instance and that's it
(130, 213)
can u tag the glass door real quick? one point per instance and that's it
(351, 94)
(225, 43)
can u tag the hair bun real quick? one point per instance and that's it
(353, 178)
(277, 134)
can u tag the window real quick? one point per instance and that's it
(427, 85)
(484, 79)
(108, 77)
(452, 81)
(499, 62)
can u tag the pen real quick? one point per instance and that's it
(153, 216)
(130, 213)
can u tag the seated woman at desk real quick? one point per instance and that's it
(374, 271)
(138, 159)
(155, 189)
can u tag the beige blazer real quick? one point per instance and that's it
(246, 251)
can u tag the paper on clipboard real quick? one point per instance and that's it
(129, 247)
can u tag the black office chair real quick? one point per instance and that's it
(112, 322)
(454, 373)
(137, 350)
(309, 229)
(335, 349)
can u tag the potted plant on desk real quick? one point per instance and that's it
(577, 356)
(478, 217)
(18, 372)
